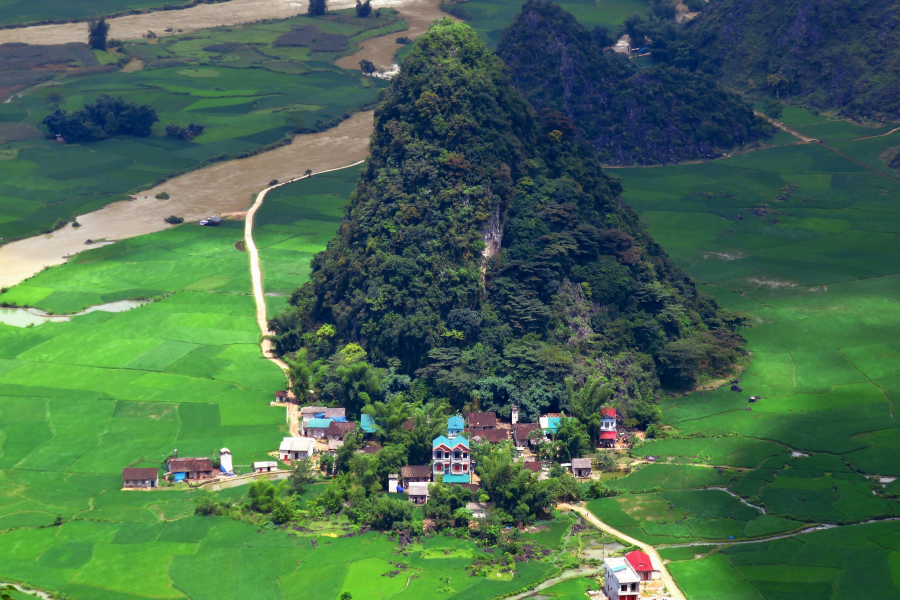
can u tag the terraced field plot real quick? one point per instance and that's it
(247, 92)
(803, 240)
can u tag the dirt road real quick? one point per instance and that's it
(259, 295)
(650, 550)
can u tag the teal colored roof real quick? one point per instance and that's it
(457, 441)
(457, 478)
(455, 424)
(552, 424)
(318, 423)
(367, 422)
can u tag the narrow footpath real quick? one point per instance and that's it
(667, 578)
(259, 295)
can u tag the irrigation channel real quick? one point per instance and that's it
(223, 187)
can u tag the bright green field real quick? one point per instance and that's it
(247, 99)
(804, 241)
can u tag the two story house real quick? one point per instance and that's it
(608, 427)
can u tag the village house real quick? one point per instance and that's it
(140, 478)
(483, 420)
(316, 428)
(281, 396)
(480, 510)
(367, 423)
(492, 436)
(190, 468)
(297, 448)
(265, 466)
(536, 467)
(336, 432)
(310, 412)
(451, 459)
(550, 422)
(334, 413)
(522, 434)
(414, 474)
(455, 426)
(621, 580)
(643, 565)
(608, 427)
(418, 492)
(581, 468)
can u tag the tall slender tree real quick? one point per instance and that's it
(98, 30)
(317, 7)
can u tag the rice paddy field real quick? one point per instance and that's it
(803, 239)
(248, 92)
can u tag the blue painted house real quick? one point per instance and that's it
(450, 458)
(455, 426)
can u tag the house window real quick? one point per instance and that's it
(465, 467)
(456, 467)
(456, 455)
(465, 455)
(438, 467)
(624, 587)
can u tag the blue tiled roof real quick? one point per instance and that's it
(455, 424)
(457, 441)
(457, 478)
(318, 423)
(367, 422)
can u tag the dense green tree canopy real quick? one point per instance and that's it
(486, 258)
(631, 116)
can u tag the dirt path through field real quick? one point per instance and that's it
(259, 295)
(220, 188)
(667, 578)
(418, 14)
(201, 16)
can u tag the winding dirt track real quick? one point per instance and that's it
(650, 550)
(259, 293)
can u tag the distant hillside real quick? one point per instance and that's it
(488, 255)
(653, 116)
(828, 54)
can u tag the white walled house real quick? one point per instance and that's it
(621, 580)
(296, 448)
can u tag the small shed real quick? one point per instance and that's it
(393, 486)
(418, 492)
(581, 467)
(265, 466)
(226, 465)
(140, 478)
(281, 396)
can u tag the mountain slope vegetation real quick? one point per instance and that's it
(487, 259)
(827, 54)
(631, 116)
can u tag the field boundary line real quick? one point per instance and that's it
(256, 279)
(591, 518)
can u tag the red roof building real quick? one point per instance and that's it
(608, 413)
(641, 563)
(608, 435)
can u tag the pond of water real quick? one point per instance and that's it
(25, 317)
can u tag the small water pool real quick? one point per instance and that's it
(24, 317)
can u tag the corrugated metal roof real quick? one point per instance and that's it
(318, 423)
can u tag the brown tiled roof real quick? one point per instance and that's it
(339, 428)
(281, 394)
(473, 487)
(533, 465)
(416, 471)
(521, 430)
(409, 425)
(484, 419)
(581, 463)
(552, 415)
(369, 449)
(133, 474)
(494, 436)
(178, 465)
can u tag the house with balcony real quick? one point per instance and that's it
(621, 580)
(608, 433)
(450, 458)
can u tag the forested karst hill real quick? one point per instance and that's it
(487, 255)
(828, 54)
(631, 116)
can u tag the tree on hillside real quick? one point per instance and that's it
(317, 7)
(363, 9)
(301, 476)
(97, 33)
(367, 67)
